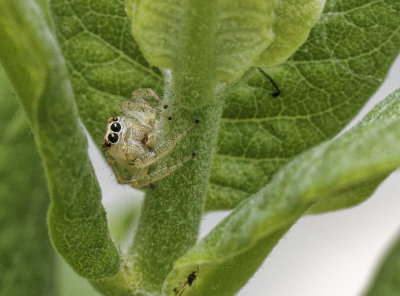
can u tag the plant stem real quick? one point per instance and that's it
(171, 212)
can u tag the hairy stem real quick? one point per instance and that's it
(171, 212)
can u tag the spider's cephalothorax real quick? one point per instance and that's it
(130, 140)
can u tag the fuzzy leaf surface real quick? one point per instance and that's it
(324, 85)
(104, 61)
(293, 22)
(33, 62)
(229, 35)
(232, 252)
(25, 268)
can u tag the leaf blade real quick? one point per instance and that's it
(104, 61)
(34, 65)
(288, 35)
(230, 35)
(197, 34)
(24, 200)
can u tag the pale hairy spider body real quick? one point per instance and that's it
(130, 141)
(132, 144)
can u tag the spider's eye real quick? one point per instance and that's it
(115, 118)
(106, 144)
(113, 138)
(116, 127)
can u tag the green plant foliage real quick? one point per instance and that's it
(25, 268)
(224, 36)
(233, 251)
(104, 61)
(109, 70)
(44, 8)
(262, 164)
(294, 19)
(387, 280)
(33, 62)
(172, 35)
(323, 86)
(171, 213)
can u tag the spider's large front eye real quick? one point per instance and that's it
(113, 138)
(116, 127)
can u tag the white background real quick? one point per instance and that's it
(330, 255)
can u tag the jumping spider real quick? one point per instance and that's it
(130, 141)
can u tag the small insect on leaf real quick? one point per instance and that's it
(187, 286)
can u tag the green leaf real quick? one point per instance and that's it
(33, 62)
(26, 255)
(294, 20)
(387, 280)
(104, 61)
(223, 38)
(44, 8)
(106, 65)
(232, 252)
(323, 86)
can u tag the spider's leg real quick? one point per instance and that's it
(128, 107)
(162, 150)
(159, 174)
(142, 93)
(111, 161)
(277, 90)
(135, 124)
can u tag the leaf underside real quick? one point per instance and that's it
(235, 33)
(104, 61)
